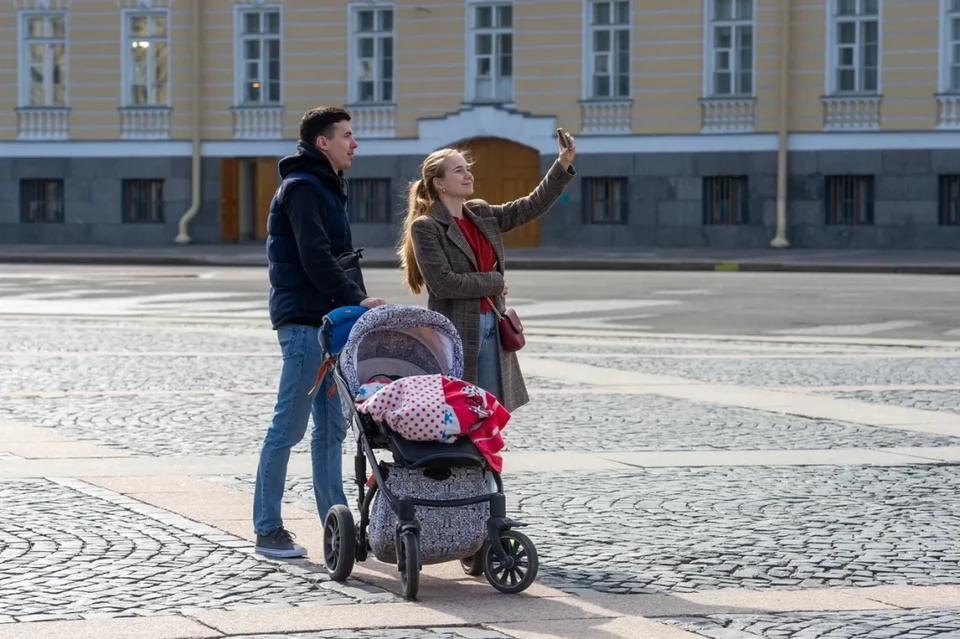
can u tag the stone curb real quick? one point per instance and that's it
(517, 263)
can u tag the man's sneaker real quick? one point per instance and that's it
(279, 544)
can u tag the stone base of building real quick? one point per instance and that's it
(665, 195)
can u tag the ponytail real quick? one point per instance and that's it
(418, 204)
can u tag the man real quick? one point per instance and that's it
(307, 229)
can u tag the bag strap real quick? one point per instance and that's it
(494, 307)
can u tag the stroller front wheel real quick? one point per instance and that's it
(409, 561)
(473, 565)
(339, 542)
(519, 571)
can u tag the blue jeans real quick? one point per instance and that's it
(301, 361)
(488, 360)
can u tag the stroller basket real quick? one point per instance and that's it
(432, 502)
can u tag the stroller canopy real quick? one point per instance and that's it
(400, 341)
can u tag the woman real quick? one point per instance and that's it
(454, 247)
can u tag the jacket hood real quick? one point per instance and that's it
(309, 160)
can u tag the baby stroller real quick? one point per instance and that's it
(432, 503)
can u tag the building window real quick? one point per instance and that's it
(369, 201)
(952, 42)
(950, 200)
(856, 34)
(259, 59)
(731, 48)
(725, 200)
(43, 60)
(41, 201)
(372, 45)
(609, 63)
(492, 53)
(143, 201)
(605, 201)
(849, 199)
(147, 60)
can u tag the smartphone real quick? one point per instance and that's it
(562, 137)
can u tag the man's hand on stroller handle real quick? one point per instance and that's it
(372, 302)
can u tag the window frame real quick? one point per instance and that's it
(949, 11)
(126, 60)
(620, 212)
(831, 217)
(831, 69)
(739, 199)
(948, 200)
(589, 58)
(472, 31)
(353, 187)
(23, 60)
(353, 57)
(240, 60)
(24, 202)
(710, 25)
(126, 205)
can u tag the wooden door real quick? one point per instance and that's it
(268, 179)
(229, 200)
(504, 171)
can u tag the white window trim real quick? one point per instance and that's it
(238, 61)
(946, 53)
(126, 73)
(23, 82)
(353, 96)
(708, 53)
(586, 58)
(470, 51)
(830, 71)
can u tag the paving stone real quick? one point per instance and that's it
(391, 633)
(793, 372)
(937, 400)
(679, 530)
(124, 561)
(934, 624)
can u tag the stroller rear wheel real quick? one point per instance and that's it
(339, 542)
(473, 565)
(409, 564)
(519, 571)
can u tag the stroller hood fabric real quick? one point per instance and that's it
(399, 340)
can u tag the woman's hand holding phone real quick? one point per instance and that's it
(568, 148)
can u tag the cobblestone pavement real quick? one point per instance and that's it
(67, 554)
(235, 424)
(126, 337)
(925, 624)
(697, 529)
(793, 372)
(945, 400)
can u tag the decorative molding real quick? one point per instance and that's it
(41, 5)
(144, 5)
(530, 134)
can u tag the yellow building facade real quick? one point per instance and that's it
(113, 111)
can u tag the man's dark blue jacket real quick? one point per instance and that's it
(307, 229)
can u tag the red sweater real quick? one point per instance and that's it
(482, 250)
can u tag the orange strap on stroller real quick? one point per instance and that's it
(320, 374)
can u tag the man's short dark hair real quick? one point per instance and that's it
(321, 121)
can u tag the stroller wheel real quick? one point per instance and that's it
(339, 542)
(519, 571)
(409, 561)
(473, 565)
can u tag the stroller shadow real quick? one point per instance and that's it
(541, 611)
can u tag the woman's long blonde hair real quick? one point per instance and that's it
(421, 194)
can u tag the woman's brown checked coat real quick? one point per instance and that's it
(454, 286)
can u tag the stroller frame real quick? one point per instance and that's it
(504, 550)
